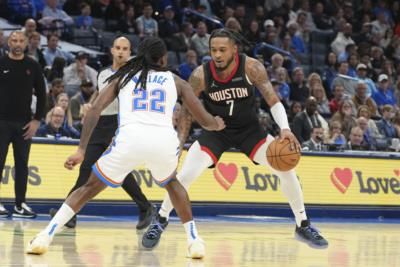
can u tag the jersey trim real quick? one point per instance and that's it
(233, 73)
(209, 152)
(108, 181)
(256, 147)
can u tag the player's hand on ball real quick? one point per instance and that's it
(74, 159)
(220, 123)
(287, 134)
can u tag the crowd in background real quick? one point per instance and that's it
(351, 102)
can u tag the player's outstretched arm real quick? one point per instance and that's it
(259, 77)
(104, 98)
(193, 105)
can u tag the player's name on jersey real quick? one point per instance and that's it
(152, 78)
(230, 93)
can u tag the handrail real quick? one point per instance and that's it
(198, 14)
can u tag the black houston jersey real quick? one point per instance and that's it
(232, 99)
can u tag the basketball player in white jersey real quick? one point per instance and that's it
(147, 94)
(102, 136)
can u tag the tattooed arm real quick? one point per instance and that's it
(259, 77)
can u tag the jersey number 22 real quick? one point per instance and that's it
(143, 101)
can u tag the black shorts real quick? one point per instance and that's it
(247, 140)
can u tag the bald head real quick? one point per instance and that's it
(121, 51)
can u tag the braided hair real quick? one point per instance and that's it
(150, 50)
(233, 35)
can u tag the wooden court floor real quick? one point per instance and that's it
(230, 242)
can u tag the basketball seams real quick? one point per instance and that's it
(280, 157)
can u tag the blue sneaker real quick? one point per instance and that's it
(152, 236)
(310, 235)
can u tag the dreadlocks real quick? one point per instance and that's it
(150, 51)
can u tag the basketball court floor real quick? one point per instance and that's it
(230, 241)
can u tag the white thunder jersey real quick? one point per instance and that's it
(153, 106)
(112, 108)
(145, 136)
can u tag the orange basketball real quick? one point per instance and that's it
(281, 156)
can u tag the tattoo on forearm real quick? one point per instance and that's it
(184, 124)
(88, 126)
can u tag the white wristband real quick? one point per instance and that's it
(279, 114)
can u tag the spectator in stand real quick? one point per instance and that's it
(29, 27)
(343, 38)
(345, 116)
(54, 129)
(168, 26)
(57, 87)
(276, 63)
(62, 101)
(353, 62)
(84, 21)
(185, 69)
(52, 11)
(233, 24)
(297, 42)
(356, 139)
(315, 142)
(147, 26)
(182, 40)
(113, 10)
(81, 98)
(305, 121)
(361, 98)
(313, 79)
(200, 40)
(318, 91)
(295, 108)
(56, 70)
(380, 25)
(385, 125)
(303, 28)
(377, 59)
(335, 136)
(77, 72)
(329, 73)
(240, 14)
(284, 89)
(33, 50)
(344, 80)
(298, 89)
(396, 122)
(253, 34)
(338, 97)
(3, 46)
(321, 20)
(127, 24)
(52, 50)
(362, 71)
(368, 137)
(384, 94)
(99, 8)
(363, 111)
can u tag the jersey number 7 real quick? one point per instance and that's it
(143, 101)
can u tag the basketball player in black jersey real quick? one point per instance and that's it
(227, 86)
(102, 136)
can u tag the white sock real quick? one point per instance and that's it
(63, 215)
(191, 231)
(290, 185)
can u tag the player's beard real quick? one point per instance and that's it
(221, 69)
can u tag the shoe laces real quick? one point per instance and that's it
(314, 232)
(155, 230)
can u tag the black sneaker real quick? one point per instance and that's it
(152, 236)
(23, 212)
(3, 211)
(146, 217)
(70, 224)
(310, 235)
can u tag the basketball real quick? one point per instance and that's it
(281, 156)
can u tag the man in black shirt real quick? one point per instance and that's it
(19, 75)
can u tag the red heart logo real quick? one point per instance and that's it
(341, 178)
(397, 172)
(226, 174)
